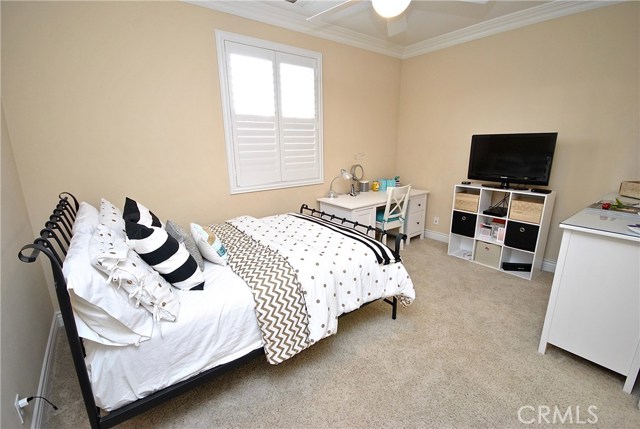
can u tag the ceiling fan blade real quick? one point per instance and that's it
(332, 9)
(397, 25)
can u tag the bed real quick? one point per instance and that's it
(273, 286)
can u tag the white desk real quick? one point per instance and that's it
(362, 209)
(594, 306)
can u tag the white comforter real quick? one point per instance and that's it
(215, 326)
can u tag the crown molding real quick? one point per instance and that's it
(291, 20)
(262, 12)
(534, 15)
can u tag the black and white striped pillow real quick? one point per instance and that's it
(166, 255)
(135, 212)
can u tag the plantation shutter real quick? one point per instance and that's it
(298, 124)
(272, 120)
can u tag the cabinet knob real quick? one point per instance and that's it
(464, 218)
(522, 229)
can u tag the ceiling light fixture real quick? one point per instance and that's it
(390, 8)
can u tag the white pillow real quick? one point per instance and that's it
(111, 216)
(166, 255)
(127, 270)
(210, 245)
(86, 219)
(103, 314)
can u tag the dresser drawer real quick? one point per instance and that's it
(415, 215)
(415, 224)
(418, 204)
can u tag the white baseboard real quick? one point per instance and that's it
(47, 367)
(438, 236)
(547, 264)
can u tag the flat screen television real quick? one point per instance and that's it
(524, 158)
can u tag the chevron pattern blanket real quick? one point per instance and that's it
(279, 302)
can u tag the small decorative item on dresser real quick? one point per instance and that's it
(630, 189)
(375, 186)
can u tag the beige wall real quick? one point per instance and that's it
(115, 99)
(576, 75)
(26, 312)
(127, 94)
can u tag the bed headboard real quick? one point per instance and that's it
(53, 242)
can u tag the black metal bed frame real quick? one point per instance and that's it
(54, 241)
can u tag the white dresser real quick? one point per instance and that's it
(594, 305)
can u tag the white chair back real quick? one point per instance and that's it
(395, 210)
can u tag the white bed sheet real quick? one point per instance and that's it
(215, 326)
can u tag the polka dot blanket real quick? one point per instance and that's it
(338, 269)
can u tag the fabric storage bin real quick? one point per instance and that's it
(463, 224)
(526, 210)
(466, 201)
(521, 236)
(487, 254)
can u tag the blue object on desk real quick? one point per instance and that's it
(386, 183)
(380, 216)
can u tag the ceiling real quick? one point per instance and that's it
(425, 26)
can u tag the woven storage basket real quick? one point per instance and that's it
(466, 201)
(630, 189)
(526, 210)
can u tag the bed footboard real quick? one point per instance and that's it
(400, 238)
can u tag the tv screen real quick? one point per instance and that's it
(512, 158)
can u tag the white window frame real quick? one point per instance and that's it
(235, 187)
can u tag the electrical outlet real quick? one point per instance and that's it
(19, 409)
(436, 220)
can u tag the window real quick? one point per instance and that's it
(271, 96)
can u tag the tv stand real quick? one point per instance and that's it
(512, 239)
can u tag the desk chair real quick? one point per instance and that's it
(395, 210)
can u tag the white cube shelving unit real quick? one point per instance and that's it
(512, 241)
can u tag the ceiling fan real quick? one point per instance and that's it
(392, 10)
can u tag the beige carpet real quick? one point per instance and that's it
(464, 355)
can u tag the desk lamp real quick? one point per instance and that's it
(345, 175)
